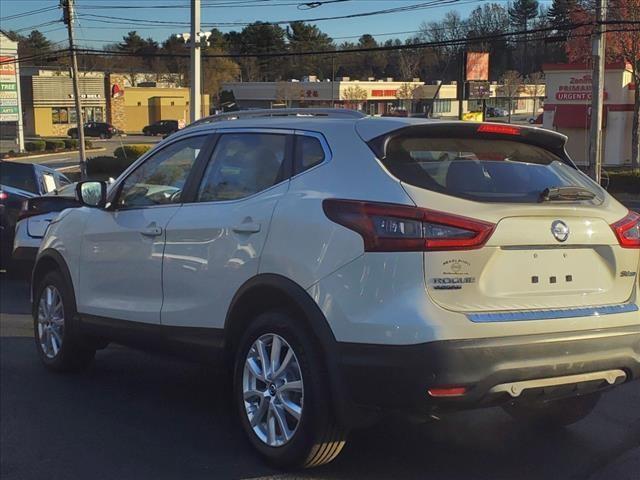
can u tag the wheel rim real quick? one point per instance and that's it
(50, 321)
(273, 390)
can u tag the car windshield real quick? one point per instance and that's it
(482, 170)
(18, 175)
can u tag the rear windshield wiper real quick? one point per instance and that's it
(566, 193)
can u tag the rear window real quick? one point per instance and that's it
(18, 175)
(481, 170)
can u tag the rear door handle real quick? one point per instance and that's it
(247, 228)
(152, 231)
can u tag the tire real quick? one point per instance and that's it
(104, 136)
(74, 135)
(72, 353)
(554, 413)
(316, 438)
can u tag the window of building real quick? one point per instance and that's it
(442, 106)
(173, 104)
(243, 164)
(60, 115)
(139, 104)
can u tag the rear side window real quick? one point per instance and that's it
(309, 153)
(18, 175)
(243, 164)
(481, 170)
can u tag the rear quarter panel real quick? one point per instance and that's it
(303, 244)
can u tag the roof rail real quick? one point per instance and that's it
(282, 112)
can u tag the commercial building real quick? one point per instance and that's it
(378, 97)
(49, 108)
(568, 110)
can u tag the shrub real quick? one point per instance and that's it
(624, 181)
(87, 144)
(70, 143)
(131, 152)
(105, 165)
(35, 146)
(54, 144)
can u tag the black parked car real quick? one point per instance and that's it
(19, 182)
(96, 129)
(161, 127)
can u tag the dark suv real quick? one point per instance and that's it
(161, 127)
(19, 182)
(95, 129)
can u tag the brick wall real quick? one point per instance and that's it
(116, 115)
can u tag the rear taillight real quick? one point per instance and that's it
(397, 228)
(628, 230)
(3, 195)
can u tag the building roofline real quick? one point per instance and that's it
(550, 67)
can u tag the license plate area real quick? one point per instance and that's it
(525, 272)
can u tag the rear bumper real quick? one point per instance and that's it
(398, 377)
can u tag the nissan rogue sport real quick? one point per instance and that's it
(345, 266)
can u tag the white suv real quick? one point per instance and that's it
(344, 266)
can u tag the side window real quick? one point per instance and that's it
(161, 178)
(243, 164)
(309, 152)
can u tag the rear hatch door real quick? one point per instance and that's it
(544, 253)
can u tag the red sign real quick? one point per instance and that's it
(116, 91)
(7, 68)
(477, 66)
(383, 93)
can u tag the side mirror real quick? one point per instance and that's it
(92, 194)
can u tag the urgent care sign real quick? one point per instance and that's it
(579, 87)
(567, 109)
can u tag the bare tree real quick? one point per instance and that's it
(354, 95)
(406, 93)
(287, 92)
(511, 86)
(535, 88)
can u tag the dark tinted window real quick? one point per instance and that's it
(162, 177)
(309, 152)
(18, 175)
(482, 170)
(243, 164)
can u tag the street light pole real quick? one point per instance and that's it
(195, 61)
(68, 18)
(597, 94)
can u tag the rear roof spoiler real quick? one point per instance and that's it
(547, 139)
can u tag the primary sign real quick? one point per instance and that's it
(579, 88)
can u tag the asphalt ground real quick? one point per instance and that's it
(70, 159)
(134, 415)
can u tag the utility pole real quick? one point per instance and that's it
(68, 17)
(462, 74)
(597, 94)
(196, 109)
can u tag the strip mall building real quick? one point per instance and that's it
(49, 108)
(567, 109)
(378, 97)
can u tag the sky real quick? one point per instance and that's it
(96, 31)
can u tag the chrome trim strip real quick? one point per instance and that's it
(525, 315)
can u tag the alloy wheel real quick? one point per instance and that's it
(50, 321)
(273, 390)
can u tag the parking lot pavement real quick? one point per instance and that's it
(66, 159)
(138, 416)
